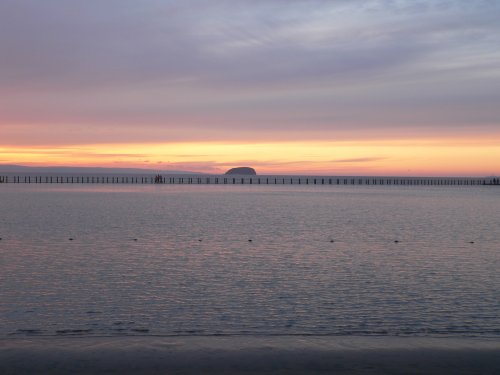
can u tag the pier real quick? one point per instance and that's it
(251, 180)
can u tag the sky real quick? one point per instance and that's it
(327, 87)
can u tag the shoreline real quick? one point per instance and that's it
(249, 355)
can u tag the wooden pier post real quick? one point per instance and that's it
(282, 180)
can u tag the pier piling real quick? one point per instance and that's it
(217, 180)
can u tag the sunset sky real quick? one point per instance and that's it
(339, 87)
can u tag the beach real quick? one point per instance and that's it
(250, 355)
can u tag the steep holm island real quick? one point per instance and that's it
(242, 171)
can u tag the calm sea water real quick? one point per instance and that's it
(249, 260)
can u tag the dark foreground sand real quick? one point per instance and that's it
(249, 355)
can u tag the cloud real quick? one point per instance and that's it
(95, 44)
(359, 160)
(123, 71)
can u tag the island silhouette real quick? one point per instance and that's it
(242, 171)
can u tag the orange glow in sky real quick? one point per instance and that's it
(457, 157)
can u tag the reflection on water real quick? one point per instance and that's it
(207, 260)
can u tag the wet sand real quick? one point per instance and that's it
(249, 355)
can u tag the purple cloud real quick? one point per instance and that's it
(121, 70)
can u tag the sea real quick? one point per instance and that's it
(249, 260)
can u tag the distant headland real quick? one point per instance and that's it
(247, 171)
(67, 170)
